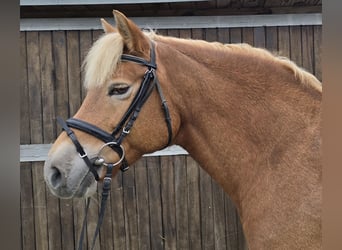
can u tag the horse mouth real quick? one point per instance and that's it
(86, 187)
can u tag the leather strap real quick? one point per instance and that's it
(104, 197)
(90, 129)
(166, 113)
(78, 146)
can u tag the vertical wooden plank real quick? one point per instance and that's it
(53, 220)
(92, 218)
(26, 192)
(194, 211)
(79, 42)
(85, 45)
(197, 33)
(79, 213)
(248, 36)
(74, 82)
(206, 204)
(143, 217)
(34, 81)
(318, 51)
(173, 32)
(185, 33)
(271, 39)
(77, 204)
(235, 35)
(96, 34)
(232, 224)
(168, 202)
(241, 237)
(119, 236)
(308, 48)
(130, 208)
(162, 32)
(206, 191)
(24, 93)
(284, 41)
(39, 206)
(181, 194)
(49, 131)
(259, 37)
(60, 59)
(153, 172)
(33, 68)
(105, 238)
(219, 217)
(67, 225)
(26, 208)
(211, 35)
(74, 92)
(223, 35)
(296, 45)
(47, 78)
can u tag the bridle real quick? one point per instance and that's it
(114, 140)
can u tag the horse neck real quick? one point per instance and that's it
(234, 110)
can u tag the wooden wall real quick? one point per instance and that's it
(162, 202)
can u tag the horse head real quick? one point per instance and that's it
(122, 83)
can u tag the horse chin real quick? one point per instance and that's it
(87, 187)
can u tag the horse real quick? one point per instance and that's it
(251, 119)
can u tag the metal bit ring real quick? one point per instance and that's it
(100, 161)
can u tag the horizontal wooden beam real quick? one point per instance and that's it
(183, 22)
(39, 152)
(97, 2)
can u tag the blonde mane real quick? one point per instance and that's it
(301, 74)
(102, 59)
(104, 56)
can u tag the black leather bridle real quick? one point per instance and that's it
(123, 128)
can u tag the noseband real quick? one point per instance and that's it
(114, 139)
(123, 128)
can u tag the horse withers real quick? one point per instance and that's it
(252, 120)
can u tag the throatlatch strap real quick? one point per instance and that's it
(166, 113)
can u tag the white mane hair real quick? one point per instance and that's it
(102, 59)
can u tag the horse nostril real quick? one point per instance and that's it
(56, 177)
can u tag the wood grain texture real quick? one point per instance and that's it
(28, 241)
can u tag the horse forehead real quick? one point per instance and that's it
(128, 70)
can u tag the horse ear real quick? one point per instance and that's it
(107, 27)
(134, 39)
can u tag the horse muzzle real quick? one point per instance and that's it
(68, 177)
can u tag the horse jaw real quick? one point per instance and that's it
(66, 174)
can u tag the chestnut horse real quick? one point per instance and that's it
(252, 121)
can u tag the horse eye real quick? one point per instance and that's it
(118, 89)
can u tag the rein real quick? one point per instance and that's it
(114, 139)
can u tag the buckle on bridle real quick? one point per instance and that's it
(107, 181)
(82, 156)
(126, 131)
